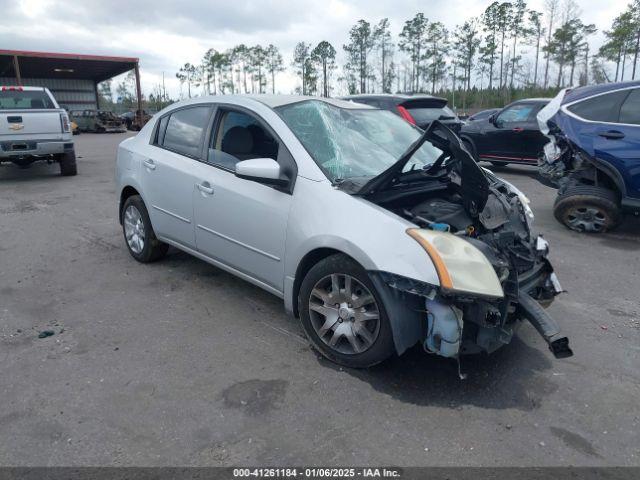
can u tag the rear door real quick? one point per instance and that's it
(169, 171)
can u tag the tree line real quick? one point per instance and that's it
(509, 51)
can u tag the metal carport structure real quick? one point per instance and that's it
(72, 78)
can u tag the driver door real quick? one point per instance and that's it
(242, 223)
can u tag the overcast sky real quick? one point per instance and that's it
(166, 34)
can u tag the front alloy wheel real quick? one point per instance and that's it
(344, 314)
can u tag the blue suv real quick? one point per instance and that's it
(594, 154)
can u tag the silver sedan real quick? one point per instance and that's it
(376, 234)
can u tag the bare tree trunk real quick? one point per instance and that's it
(635, 56)
(325, 87)
(501, 59)
(535, 72)
(513, 67)
(573, 68)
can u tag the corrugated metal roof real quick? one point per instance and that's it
(64, 65)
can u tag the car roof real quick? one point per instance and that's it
(588, 91)
(274, 101)
(397, 97)
(532, 100)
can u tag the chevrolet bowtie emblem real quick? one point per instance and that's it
(16, 126)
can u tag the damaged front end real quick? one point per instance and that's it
(476, 228)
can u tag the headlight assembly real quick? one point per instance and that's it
(461, 266)
(524, 200)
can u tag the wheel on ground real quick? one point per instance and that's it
(68, 165)
(468, 144)
(499, 164)
(342, 314)
(138, 232)
(587, 208)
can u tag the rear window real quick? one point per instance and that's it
(25, 100)
(185, 130)
(425, 115)
(603, 108)
(630, 111)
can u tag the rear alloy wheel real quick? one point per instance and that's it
(587, 208)
(138, 232)
(342, 315)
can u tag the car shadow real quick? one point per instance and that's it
(624, 237)
(512, 377)
(516, 376)
(37, 171)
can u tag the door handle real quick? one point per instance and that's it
(518, 129)
(149, 164)
(205, 187)
(612, 134)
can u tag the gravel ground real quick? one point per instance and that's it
(179, 363)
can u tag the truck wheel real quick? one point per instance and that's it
(139, 236)
(342, 314)
(68, 166)
(587, 208)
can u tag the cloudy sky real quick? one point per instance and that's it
(166, 34)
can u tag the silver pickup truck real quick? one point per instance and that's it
(34, 128)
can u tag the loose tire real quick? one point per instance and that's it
(587, 208)
(68, 166)
(343, 315)
(138, 233)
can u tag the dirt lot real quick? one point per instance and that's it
(180, 363)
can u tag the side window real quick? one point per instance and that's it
(162, 128)
(630, 111)
(240, 136)
(518, 113)
(603, 108)
(185, 129)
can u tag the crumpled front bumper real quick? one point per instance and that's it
(452, 325)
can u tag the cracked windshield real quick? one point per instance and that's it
(353, 142)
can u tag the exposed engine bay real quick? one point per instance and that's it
(457, 204)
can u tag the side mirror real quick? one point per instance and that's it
(261, 170)
(492, 118)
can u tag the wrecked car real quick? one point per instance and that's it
(593, 158)
(378, 236)
(98, 121)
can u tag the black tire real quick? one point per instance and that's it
(153, 248)
(470, 147)
(587, 208)
(380, 349)
(68, 166)
(499, 164)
